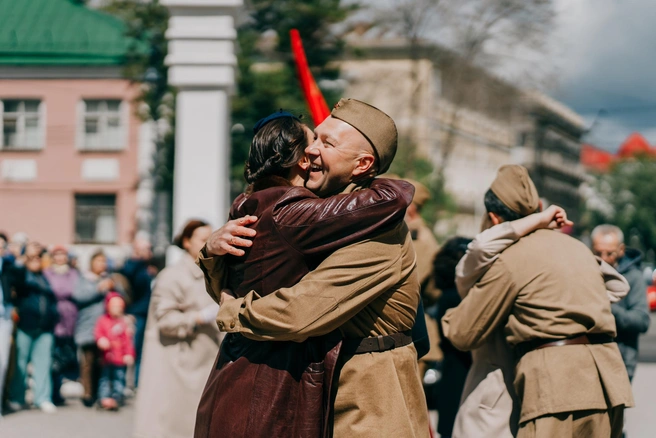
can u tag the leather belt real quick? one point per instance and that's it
(376, 343)
(537, 344)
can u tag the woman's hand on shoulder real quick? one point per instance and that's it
(228, 238)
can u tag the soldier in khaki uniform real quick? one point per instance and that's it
(368, 291)
(548, 294)
(426, 247)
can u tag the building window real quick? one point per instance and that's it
(22, 126)
(103, 125)
(95, 219)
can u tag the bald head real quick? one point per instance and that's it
(339, 155)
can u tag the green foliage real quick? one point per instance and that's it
(267, 79)
(146, 25)
(408, 164)
(629, 189)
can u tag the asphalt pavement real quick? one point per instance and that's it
(76, 421)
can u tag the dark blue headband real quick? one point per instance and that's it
(277, 115)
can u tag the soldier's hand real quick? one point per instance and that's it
(228, 238)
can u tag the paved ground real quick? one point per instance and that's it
(76, 421)
(73, 421)
(641, 421)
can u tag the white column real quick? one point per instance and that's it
(201, 64)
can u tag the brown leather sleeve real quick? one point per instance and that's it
(314, 225)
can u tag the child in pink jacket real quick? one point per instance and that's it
(114, 338)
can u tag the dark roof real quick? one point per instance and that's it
(59, 32)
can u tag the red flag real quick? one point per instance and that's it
(311, 91)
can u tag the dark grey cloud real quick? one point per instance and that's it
(606, 56)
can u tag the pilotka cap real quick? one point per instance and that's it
(514, 187)
(377, 127)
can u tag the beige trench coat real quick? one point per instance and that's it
(177, 355)
(366, 289)
(521, 287)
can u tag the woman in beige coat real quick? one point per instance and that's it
(181, 343)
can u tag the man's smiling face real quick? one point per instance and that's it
(336, 157)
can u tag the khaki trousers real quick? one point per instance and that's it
(578, 424)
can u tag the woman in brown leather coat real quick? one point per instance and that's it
(267, 389)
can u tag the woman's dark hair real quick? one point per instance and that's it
(188, 231)
(446, 260)
(278, 146)
(494, 205)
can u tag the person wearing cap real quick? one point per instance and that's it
(368, 291)
(545, 297)
(426, 248)
(482, 252)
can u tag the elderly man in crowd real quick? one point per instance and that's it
(632, 313)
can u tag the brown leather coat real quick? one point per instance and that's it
(297, 230)
(283, 388)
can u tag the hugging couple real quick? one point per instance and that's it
(323, 287)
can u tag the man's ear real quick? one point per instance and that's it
(495, 218)
(365, 164)
(304, 163)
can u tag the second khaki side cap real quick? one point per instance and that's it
(422, 194)
(514, 187)
(377, 127)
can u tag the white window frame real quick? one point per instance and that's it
(21, 115)
(115, 231)
(104, 114)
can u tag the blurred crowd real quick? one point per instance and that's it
(66, 331)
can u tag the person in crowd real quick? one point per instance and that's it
(367, 290)
(138, 271)
(456, 363)
(481, 253)
(180, 345)
(63, 281)
(89, 295)
(426, 247)
(545, 291)
(37, 316)
(16, 247)
(632, 313)
(4, 250)
(113, 334)
(6, 310)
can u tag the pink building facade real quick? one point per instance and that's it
(74, 157)
(70, 176)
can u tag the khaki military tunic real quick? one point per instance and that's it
(547, 286)
(366, 289)
(426, 248)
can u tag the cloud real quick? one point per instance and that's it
(605, 61)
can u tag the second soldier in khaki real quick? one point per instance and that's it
(548, 294)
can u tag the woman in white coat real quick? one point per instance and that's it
(181, 343)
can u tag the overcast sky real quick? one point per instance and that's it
(605, 52)
(601, 56)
